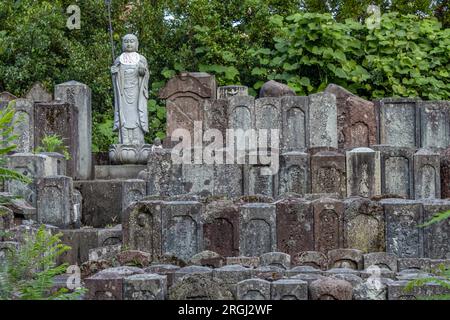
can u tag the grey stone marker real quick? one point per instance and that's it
(6, 98)
(422, 264)
(328, 224)
(58, 118)
(381, 260)
(268, 115)
(164, 178)
(289, 289)
(24, 128)
(345, 258)
(247, 262)
(198, 179)
(427, 179)
(108, 283)
(104, 201)
(259, 181)
(38, 93)
(277, 259)
(397, 170)
(396, 291)
(294, 173)
(253, 289)
(141, 223)
(295, 123)
(364, 225)
(313, 259)
(330, 289)
(323, 120)
(167, 270)
(228, 180)
(79, 95)
(182, 228)
(257, 229)
(241, 115)
(215, 116)
(363, 172)
(32, 166)
(145, 287)
(403, 237)
(436, 236)
(231, 91)
(434, 124)
(231, 275)
(399, 122)
(54, 201)
(328, 173)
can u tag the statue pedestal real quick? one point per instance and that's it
(129, 153)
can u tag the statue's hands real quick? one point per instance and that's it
(142, 71)
(114, 69)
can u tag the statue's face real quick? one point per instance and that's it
(130, 43)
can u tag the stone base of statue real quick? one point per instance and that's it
(129, 153)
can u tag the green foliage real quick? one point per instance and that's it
(437, 218)
(240, 41)
(7, 123)
(28, 272)
(53, 143)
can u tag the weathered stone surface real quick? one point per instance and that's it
(436, 236)
(200, 286)
(145, 287)
(6, 219)
(105, 200)
(32, 166)
(134, 258)
(323, 120)
(257, 181)
(115, 172)
(207, 259)
(289, 289)
(253, 289)
(104, 253)
(328, 173)
(381, 260)
(6, 247)
(399, 122)
(422, 264)
(221, 228)
(294, 173)
(257, 225)
(141, 223)
(184, 95)
(357, 119)
(215, 116)
(435, 124)
(198, 179)
(328, 224)
(311, 258)
(302, 269)
(228, 180)
(241, 115)
(277, 259)
(445, 173)
(363, 172)
(364, 225)
(295, 225)
(79, 96)
(372, 289)
(275, 89)
(330, 289)
(412, 274)
(396, 170)
(167, 270)
(231, 91)
(345, 258)
(269, 273)
(403, 238)
(396, 291)
(126, 154)
(6, 98)
(61, 119)
(38, 93)
(90, 268)
(427, 179)
(230, 275)
(295, 124)
(248, 262)
(24, 125)
(182, 229)
(108, 283)
(84, 239)
(164, 178)
(54, 201)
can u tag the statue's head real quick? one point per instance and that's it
(130, 43)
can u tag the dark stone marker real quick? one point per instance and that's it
(328, 224)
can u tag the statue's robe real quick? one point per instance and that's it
(131, 96)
